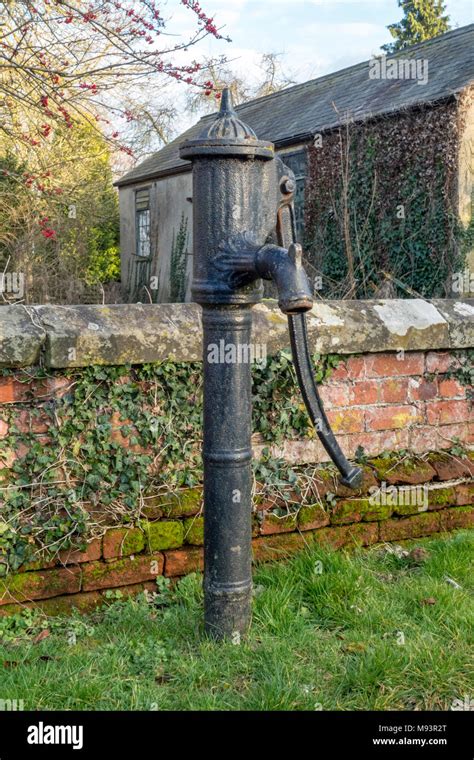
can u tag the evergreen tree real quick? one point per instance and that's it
(423, 20)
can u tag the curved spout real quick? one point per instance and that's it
(285, 268)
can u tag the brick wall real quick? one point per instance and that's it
(384, 401)
(392, 401)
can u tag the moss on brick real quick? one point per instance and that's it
(40, 585)
(194, 531)
(349, 511)
(346, 535)
(377, 512)
(408, 527)
(121, 572)
(122, 542)
(312, 517)
(164, 534)
(441, 497)
(392, 469)
(457, 517)
(182, 503)
(273, 523)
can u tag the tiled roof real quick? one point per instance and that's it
(299, 112)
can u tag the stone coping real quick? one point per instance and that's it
(78, 336)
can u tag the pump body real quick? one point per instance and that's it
(243, 231)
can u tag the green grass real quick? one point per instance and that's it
(359, 635)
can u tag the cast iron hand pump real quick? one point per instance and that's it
(243, 229)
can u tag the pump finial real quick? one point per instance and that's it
(227, 106)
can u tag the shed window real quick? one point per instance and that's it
(142, 221)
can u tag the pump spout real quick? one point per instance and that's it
(285, 268)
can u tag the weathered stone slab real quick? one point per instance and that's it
(78, 336)
(21, 336)
(348, 327)
(459, 314)
(119, 334)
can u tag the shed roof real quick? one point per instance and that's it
(298, 113)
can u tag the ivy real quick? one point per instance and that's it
(119, 435)
(384, 191)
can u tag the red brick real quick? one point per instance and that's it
(458, 517)
(394, 390)
(347, 535)
(355, 367)
(390, 365)
(421, 389)
(7, 393)
(392, 417)
(58, 385)
(364, 392)
(446, 412)
(464, 494)
(469, 435)
(449, 434)
(423, 438)
(450, 388)
(122, 542)
(42, 584)
(410, 527)
(32, 421)
(339, 374)
(274, 524)
(122, 572)
(183, 561)
(347, 421)
(449, 467)
(3, 429)
(268, 548)
(438, 361)
(370, 442)
(374, 442)
(92, 552)
(334, 395)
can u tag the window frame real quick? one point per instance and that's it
(138, 214)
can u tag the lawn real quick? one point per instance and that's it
(378, 629)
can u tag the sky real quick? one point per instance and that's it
(315, 37)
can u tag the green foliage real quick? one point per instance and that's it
(323, 637)
(422, 20)
(78, 206)
(125, 432)
(178, 262)
(403, 228)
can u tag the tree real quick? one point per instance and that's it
(75, 81)
(423, 20)
(273, 79)
(62, 237)
(63, 62)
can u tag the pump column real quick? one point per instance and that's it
(229, 183)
